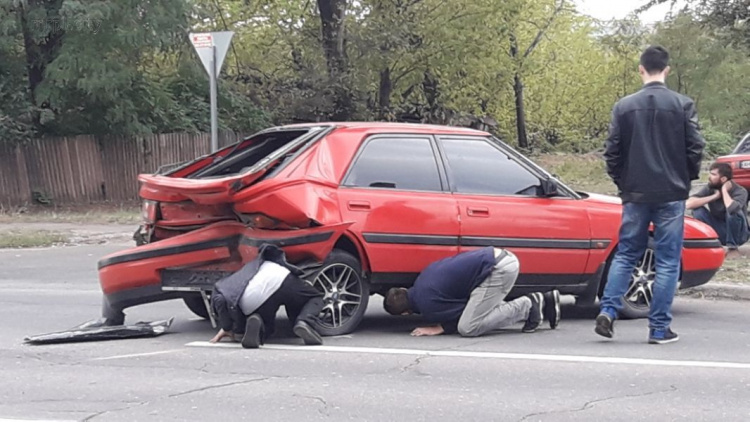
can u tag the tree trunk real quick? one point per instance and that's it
(42, 39)
(332, 30)
(431, 88)
(384, 93)
(523, 141)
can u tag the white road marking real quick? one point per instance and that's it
(37, 420)
(136, 355)
(492, 355)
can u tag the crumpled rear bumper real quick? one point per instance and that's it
(134, 276)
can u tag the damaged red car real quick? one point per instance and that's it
(739, 160)
(362, 207)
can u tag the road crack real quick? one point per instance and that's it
(211, 387)
(590, 404)
(415, 364)
(119, 409)
(323, 411)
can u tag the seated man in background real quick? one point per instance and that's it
(248, 300)
(727, 207)
(466, 293)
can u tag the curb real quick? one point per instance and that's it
(718, 291)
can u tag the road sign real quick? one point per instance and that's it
(212, 49)
(202, 40)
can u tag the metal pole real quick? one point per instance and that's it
(214, 114)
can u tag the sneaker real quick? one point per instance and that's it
(253, 337)
(552, 308)
(662, 336)
(605, 325)
(307, 333)
(535, 314)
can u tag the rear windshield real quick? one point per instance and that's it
(744, 146)
(247, 153)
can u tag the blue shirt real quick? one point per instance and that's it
(441, 290)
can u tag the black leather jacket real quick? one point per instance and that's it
(225, 299)
(654, 147)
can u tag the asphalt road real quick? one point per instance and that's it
(377, 373)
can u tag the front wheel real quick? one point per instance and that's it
(346, 294)
(636, 302)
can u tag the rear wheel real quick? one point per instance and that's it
(196, 305)
(346, 293)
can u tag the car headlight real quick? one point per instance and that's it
(149, 211)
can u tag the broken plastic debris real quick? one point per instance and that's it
(96, 331)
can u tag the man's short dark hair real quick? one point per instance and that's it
(724, 170)
(396, 301)
(655, 59)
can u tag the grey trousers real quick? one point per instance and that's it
(487, 309)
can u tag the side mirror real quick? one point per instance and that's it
(549, 188)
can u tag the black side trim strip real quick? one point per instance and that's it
(289, 241)
(502, 242)
(409, 239)
(172, 250)
(230, 242)
(701, 243)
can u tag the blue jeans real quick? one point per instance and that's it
(669, 221)
(732, 231)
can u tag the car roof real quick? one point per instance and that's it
(390, 127)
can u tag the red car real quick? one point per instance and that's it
(366, 206)
(740, 162)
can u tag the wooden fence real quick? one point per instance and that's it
(88, 169)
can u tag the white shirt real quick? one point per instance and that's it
(262, 286)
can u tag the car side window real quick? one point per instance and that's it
(396, 163)
(478, 167)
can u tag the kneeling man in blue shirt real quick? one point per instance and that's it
(466, 294)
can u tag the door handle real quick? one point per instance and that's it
(358, 205)
(478, 212)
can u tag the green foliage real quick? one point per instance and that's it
(717, 142)
(708, 70)
(125, 66)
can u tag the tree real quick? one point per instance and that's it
(708, 69)
(731, 17)
(333, 30)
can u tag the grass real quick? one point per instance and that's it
(30, 238)
(585, 172)
(735, 270)
(81, 214)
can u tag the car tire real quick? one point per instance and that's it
(636, 303)
(195, 303)
(346, 291)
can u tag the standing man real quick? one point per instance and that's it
(727, 207)
(653, 151)
(466, 293)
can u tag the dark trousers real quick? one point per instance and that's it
(732, 230)
(302, 301)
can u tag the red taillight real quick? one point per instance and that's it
(149, 211)
(262, 221)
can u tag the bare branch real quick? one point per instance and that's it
(544, 29)
(226, 28)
